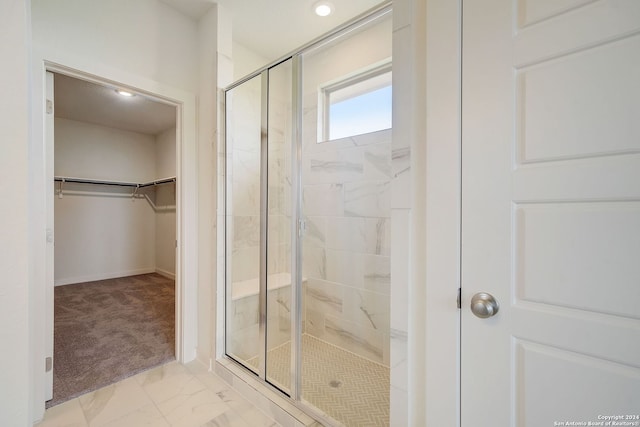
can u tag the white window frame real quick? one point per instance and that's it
(326, 89)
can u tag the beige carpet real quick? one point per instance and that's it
(345, 386)
(107, 330)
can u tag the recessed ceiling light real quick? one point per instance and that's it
(323, 8)
(124, 93)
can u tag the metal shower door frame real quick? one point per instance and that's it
(297, 221)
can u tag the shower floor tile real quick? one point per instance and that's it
(345, 386)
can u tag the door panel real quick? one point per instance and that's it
(594, 82)
(573, 386)
(243, 218)
(279, 293)
(582, 234)
(258, 224)
(550, 210)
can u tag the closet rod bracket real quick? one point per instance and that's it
(62, 181)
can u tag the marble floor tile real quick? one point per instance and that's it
(193, 410)
(147, 416)
(256, 418)
(196, 367)
(213, 382)
(234, 400)
(112, 402)
(171, 395)
(209, 379)
(169, 381)
(67, 414)
(228, 419)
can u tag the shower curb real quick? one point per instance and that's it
(267, 400)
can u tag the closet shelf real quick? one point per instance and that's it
(118, 183)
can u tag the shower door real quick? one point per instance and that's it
(308, 224)
(258, 222)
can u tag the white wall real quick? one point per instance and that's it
(165, 200)
(144, 37)
(85, 150)
(15, 358)
(100, 237)
(246, 61)
(165, 154)
(101, 231)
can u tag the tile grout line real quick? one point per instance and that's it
(151, 399)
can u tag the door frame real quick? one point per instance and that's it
(41, 165)
(50, 162)
(439, 162)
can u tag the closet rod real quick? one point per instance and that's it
(118, 183)
(94, 181)
(159, 181)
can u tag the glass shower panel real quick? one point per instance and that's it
(278, 362)
(346, 206)
(242, 226)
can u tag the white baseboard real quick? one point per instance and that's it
(102, 276)
(166, 274)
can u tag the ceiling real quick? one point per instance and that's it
(88, 102)
(273, 28)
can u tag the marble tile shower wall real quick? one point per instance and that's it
(246, 205)
(347, 244)
(279, 173)
(245, 194)
(244, 172)
(279, 204)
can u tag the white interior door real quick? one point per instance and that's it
(551, 211)
(49, 255)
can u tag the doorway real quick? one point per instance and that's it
(115, 223)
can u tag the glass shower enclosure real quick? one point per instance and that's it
(307, 223)
(258, 210)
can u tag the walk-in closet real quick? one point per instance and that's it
(115, 234)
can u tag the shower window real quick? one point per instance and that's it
(356, 104)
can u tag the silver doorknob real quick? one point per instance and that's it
(484, 305)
